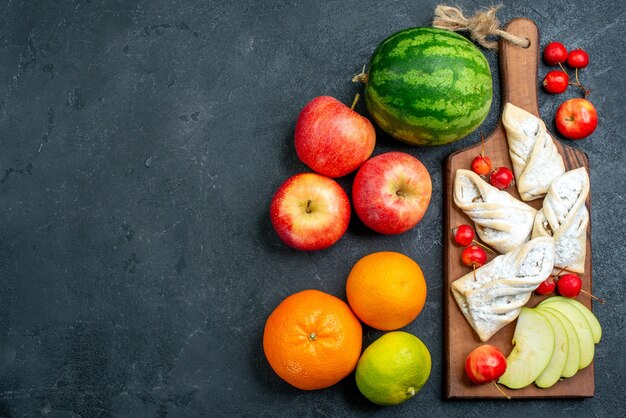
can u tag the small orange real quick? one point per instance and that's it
(386, 290)
(312, 340)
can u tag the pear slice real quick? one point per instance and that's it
(594, 324)
(553, 372)
(585, 338)
(534, 345)
(573, 348)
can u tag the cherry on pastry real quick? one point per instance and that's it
(501, 178)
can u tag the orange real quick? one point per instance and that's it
(312, 340)
(386, 290)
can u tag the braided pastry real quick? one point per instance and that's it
(502, 221)
(536, 161)
(501, 287)
(565, 217)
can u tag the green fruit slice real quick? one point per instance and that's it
(393, 368)
(553, 372)
(585, 338)
(573, 349)
(594, 324)
(534, 345)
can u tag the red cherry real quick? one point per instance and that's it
(546, 287)
(501, 178)
(555, 82)
(481, 165)
(569, 285)
(473, 256)
(463, 235)
(578, 58)
(554, 53)
(485, 364)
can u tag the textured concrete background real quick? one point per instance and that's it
(141, 143)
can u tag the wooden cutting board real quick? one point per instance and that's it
(518, 68)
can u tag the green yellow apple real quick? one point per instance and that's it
(594, 324)
(533, 341)
(553, 372)
(583, 331)
(573, 346)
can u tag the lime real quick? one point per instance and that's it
(393, 368)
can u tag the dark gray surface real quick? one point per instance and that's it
(141, 143)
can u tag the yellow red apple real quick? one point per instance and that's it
(333, 139)
(576, 118)
(391, 192)
(310, 212)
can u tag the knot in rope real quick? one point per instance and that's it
(480, 26)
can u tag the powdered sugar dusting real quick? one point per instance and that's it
(503, 286)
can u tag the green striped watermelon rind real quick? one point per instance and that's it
(428, 86)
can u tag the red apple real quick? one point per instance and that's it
(485, 364)
(576, 118)
(391, 192)
(310, 212)
(333, 139)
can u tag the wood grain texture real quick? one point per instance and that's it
(518, 68)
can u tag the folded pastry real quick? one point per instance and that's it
(502, 286)
(502, 221)
(564, 217)
(536, 161)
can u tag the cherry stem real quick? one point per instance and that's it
(484, 246)
(482, 146)
(578, 84)
(356, 99)
(585, 90)
(562, 270)
(602, 301)
(308, 206)
(565, 269)
(559, 273)
(500, 390)
(475, 279)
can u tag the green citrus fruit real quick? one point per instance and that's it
(393, 368)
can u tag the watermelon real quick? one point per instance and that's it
(428, 86)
